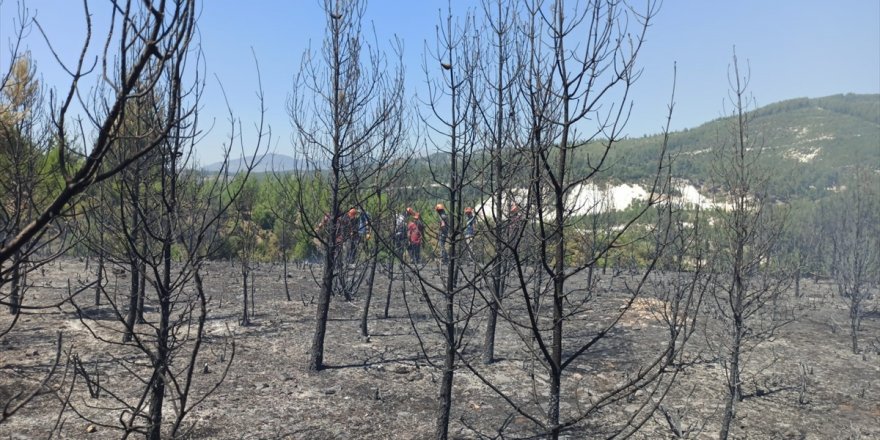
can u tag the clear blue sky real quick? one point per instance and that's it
(796, 48)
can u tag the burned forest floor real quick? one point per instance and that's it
(803, 383)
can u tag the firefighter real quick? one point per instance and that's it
(443, 229)
(350, 231)
(414, 234)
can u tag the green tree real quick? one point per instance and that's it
(25, 177)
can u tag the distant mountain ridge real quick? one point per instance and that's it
(809, 146)
(265, 163)
(808, 143)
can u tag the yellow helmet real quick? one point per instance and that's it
(439, 207)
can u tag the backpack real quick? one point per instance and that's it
(469, 227)
(363, 223)
(415, 234)
(400, 226)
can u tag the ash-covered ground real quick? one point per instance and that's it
(805, 382)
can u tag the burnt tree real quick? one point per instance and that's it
(747, 229)
(342, 98)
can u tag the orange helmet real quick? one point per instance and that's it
(352, 212)
(514, 207)
(468, 210)
(439, 207)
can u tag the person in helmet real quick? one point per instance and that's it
(399, 238)
(364, 225)
(470, 230)
(516, 220)
(345, 232)
(414, 235)
(469, 223)
(350, 233)
(343, 228)
(443, 229)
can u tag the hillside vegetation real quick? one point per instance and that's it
(810, 143)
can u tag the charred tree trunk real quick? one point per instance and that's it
(358, 99)
(133, 295)
(489, 342)
(559, 267)
(855, 317)
(590, 276)
(99, 275)
(556, 358)
(245, 317)
(253, 294)
(332, 248)
(142, 291)
(445, 399)
(161, 358)
(390, 283)
(15, 285)
(743, 251)
(494, 304)
(160, 365)
(316, 353)
(374, 260)
(734, 386)
(284, 259)
(502, 25)
(133, 263)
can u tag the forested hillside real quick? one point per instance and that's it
(810, 143)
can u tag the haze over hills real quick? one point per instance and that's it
(267, 162)
(809, 144)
